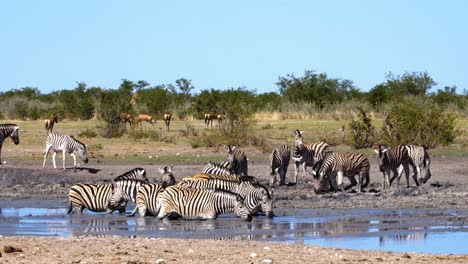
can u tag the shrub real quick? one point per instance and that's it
(362, 130)
(88, 133)
(95, 152)
(418, 121)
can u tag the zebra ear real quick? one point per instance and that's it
(171, 168)
(161, 170)
(239, 198)
(227, 148)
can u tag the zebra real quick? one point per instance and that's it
(257, 197)
(223, 168)
(279, 162)
(236, 178)
(306, 156)
(146, 199)
(8, 130)
(167, 120)
(209, 120)
(237, 159)
(335, 166)
(167, 178)
(66, 144)
(49, 122)
(134, 174)
(394, 160)
(420, 161)
(125, 191)
(188, 203)
(94, 197)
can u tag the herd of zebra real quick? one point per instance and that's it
(226, 186)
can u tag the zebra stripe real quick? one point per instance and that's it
(279, 163)
(257, 198)
(146, 199)
(218, 168)
(94, 197)
(394, 160)
(176, 202)
(134, 174)
(236, 178)
(335, 166)
(65, 144)
(8, 130)
(420, 161)
(238, 160)
(125, 191)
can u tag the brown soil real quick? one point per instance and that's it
(27, 181)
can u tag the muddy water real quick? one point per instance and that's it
(409, 230)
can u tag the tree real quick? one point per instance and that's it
(416, 83)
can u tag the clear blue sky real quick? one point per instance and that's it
(220, 44)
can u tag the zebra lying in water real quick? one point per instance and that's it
(176, 202)
(134, 174)
(256, 197)
(65, 144)
(335, 166)
(94, 197)
(167, 178)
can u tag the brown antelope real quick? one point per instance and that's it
(125, 118)
(220, 118)
(167, 120)
(49, 122)
(209, 120)
(141, 117)
(134, 99)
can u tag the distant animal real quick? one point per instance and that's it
(125, 118)
(64, 144)
(335, 166)
(94, 197)
(220, 118)
(167, 120)
(238, 160)
(394, 160)
(8, 130)
(279, 162)
(178, 202)
(209, 120)
(141, 117)
(49, 122)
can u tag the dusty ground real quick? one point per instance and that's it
(27, 181)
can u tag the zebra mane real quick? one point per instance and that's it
(222, 191)
(77, 140)
(133, 175)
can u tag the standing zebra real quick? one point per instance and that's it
(176, 202)
(49, 122)
(335, 166)
(8, 130)
(167, 120)
(146, 199)
(218, 168)
(420, 161)
(238, 160)
(394, 160)
(209, 120)
(257, 198)
(94, 197)
(306, 156)
(279, 162)
(65, 144)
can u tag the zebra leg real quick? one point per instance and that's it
(304, 168)
(46, 153)
(64, 155)
(353, 183)
(1, 143)
(417, 175)
(339, 180)
(74, 162)
(386, 180)
(53, 160)
(398, 173)
(282, 176)
(406, 169)
(296, 170)
(332, 180)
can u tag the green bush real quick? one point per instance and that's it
(418, 121)
(362, 130)
(88, 133)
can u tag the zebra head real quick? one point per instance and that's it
(241, 210)
(320, 180)
(15, 135)
(167, 178)
(382, 157)
(267, 203)
(298, 137)
(83, 153)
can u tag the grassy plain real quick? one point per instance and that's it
(143, 151)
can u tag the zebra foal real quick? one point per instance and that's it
(279, 162)
(65, 144)
(175, 202)
(335, 166)
(8, 130)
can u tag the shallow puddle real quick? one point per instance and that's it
(409, 230)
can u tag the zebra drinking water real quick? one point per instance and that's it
(238, 160)
(176, 202)
(394, 160)
(94, 197)
(279, 162)
(125, 191)
(8, 130)
(335, 166)
(65, 144)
